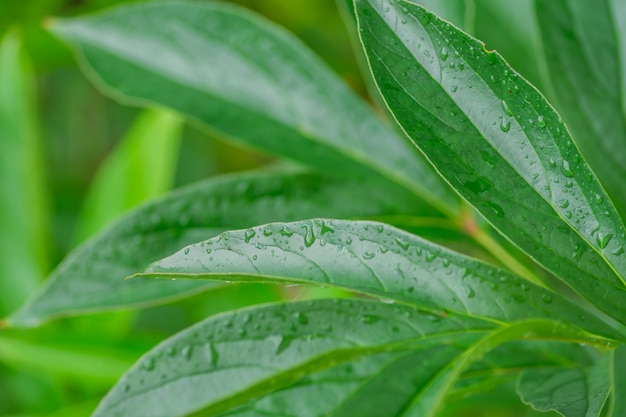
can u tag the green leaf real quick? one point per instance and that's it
(573, 392)
(258, 85)
(374, 259)
(229, 359)
(431, 399)
(618, 382)
(92, 277)
(584, 51)
(377, 385)
(499, 144)
(458, 12)
(23, 242)
(142, 167)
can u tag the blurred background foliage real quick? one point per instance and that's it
(71, 160)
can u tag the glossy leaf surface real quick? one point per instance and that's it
(205, 371)
(256, 84)
(23, 241)
(499, 144)
(374, 259)
(583, 43)
(574, 392)
(143, 166)
(92, 277)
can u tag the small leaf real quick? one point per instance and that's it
(227, 360)
(92, 277)
(583, 42)
(499, 144)
(572, 392)
(143, 166)
(256, 84)
(374, 259)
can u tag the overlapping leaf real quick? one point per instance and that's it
(251, 81)
(573, 392)
(499, 144)
(374, 259)
(228, 360)
(583, 43)
(92, 277)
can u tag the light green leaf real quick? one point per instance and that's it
(499, 144)
(374, 259)
(256, 84)
(142, 167)
(572, 392)
(584, 51)
(458, 12)
(229, 359)
(92, 277)
(23, 241)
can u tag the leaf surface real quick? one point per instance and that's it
(573, 392)
(23, 199)
(229, 359)
(92, 277)
(499, 144)
(618, 400)
(250, 81)
(374, 259)
(143, 166)
(583, 44)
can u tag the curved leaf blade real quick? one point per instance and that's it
(92, 277)
(582, 44)
(374, 259)
(574, 392)
(499, 144)
(204, 372)
(257, 84)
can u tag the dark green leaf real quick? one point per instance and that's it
(618, 382)
(374, 259)
(230, 359)
(573, 392)
(499, 144)
(583, 42)
(23, 241)
(256, 84)
(92, 277)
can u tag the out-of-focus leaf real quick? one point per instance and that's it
(573, 392)
(373, 259)
(227, 360)
(250, 81)
(499, 144)
(92, 277)
(459, 12)
(583, 43)
(23, 241)
(142, 167)
(510, 27)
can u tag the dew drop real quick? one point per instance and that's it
(249, 235)
(148, 364)
(186, 352)
(541, 122)
(603, 241)
(368, 255)
(301, 318)
(309, 237)
(186, 251)
(547, 299)
(566, 170)
(506, 108)
(505, 125)
(404, 245)
(444, 53)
